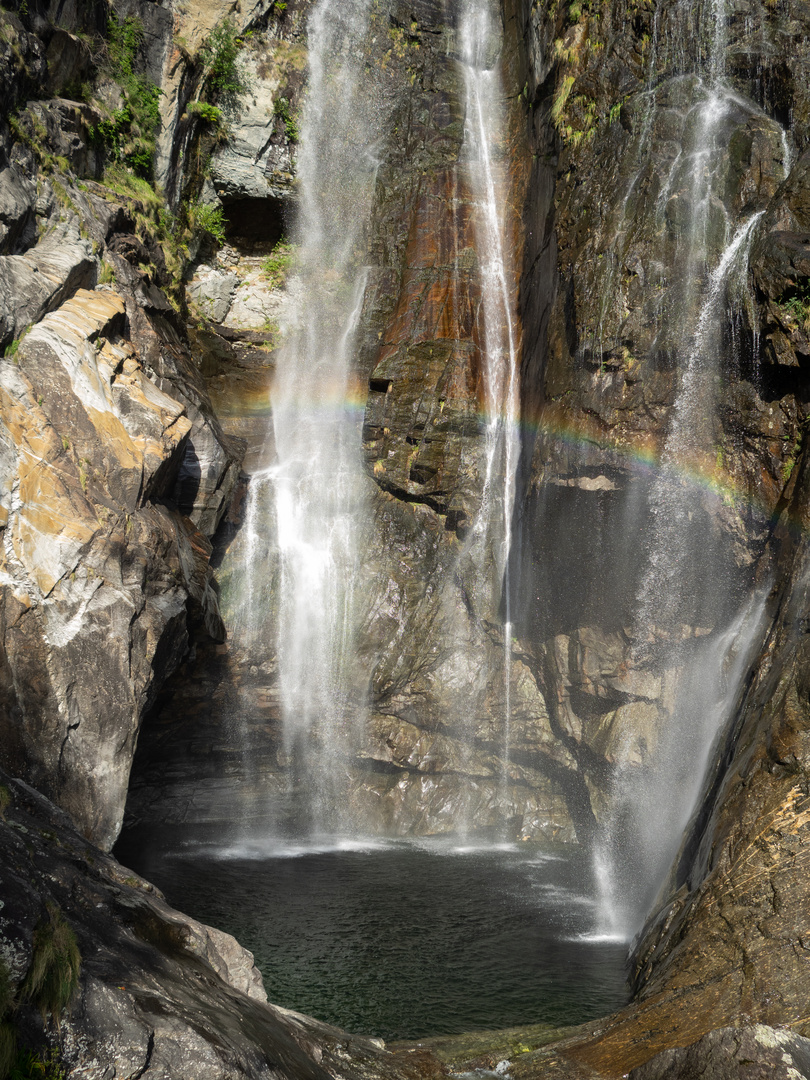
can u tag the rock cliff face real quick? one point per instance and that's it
(601, 119)
(114, 468)
(431, 643)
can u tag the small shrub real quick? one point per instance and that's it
(223, 80)
(799, 308)
(106, 275)
(53, 976)
(209, 114)
(210, 219)
(561, 99)
(129, 132)
(31, 1066)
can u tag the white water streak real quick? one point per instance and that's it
(653, 805)
(486, 121)
(319, 490)
(653, 800)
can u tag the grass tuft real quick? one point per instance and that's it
(53, 976)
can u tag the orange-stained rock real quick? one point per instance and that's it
(95, 577)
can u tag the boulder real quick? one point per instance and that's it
(733, 1053)
(212, 291)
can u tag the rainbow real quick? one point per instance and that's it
(579, 436)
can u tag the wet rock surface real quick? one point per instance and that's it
(438, 686)
(598, 209)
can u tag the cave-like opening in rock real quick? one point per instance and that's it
(255, 222)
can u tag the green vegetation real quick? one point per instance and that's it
(209, 114)
(281, 108)
(19, 1063)
(561, 96)
(53, 976)
(223, 79)
(129, 132)
(31, 1066)
(277, 264)
(793, 449)
(798, 306)
(5, 803)
(118, 179)
(106, 275)
(210, 219)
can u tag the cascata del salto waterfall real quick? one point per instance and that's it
(405, 499)
(453, 702)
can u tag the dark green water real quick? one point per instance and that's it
(403, 940)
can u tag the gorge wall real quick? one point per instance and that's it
(126, 417)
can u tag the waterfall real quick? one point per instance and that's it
(652, 801)
(692, 634)
(485, 125)
(652, 805)
(318, 483)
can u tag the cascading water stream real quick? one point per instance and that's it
(684, 635)
(491, 535)
(318, 486)
(652, 804)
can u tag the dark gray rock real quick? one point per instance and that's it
(18, 199)
(745, 1053)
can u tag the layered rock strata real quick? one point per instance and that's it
(114, 469)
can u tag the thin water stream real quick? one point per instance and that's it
(484, 161)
